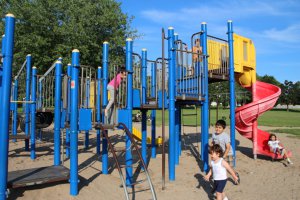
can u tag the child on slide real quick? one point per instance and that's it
(276, 148)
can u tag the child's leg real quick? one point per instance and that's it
(111, 100)
(220, 185)
(219, 196)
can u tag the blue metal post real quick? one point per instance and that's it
(153, 112)
(144, 76)
(2, 52)
(171, 53)
(69, 73)
(105, 101)
(74, 124)
(177, 124)
(232, 89)
(129, 69)
(5, 100)
(143, 100)
(87, 140)
(98, 104)
(39, 105)
(177, 107)
(32, 113)
(57, 113)
(15, 114)
(27, 99)
(179, 139)
(205, 107)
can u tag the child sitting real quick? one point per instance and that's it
(276, 148)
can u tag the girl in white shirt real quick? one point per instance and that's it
(219, 168)
(275, 147)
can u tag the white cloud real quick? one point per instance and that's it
(289, 34)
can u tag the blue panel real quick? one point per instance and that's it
(136, 98)
(123, 116)
(85, 119)
(63, 118)
(160, 99)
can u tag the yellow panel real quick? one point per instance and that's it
(244, 53)
(215, 51)
(92, 94)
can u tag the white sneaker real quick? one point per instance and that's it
(289, 161)
(225, 198)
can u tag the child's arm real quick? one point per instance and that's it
(228, 146)
(207, 176)
(230, 170)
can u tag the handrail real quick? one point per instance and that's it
(128, 133)
(19, 72)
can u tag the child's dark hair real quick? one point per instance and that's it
(271, 135)
(122, 69)
(221, 122)
(217, 149)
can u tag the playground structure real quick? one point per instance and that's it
(176, 81)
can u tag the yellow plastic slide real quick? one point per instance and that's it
(138, 135)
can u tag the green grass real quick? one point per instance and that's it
(273, 118)
(294, 132)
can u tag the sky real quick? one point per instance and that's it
(273, 26)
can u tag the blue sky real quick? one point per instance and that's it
(273, 25)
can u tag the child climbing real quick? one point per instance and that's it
(112, 86)
(275, 147)
(218, 170)
(197, 49)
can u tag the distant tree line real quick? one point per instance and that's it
(290, 92)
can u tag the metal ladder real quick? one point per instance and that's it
(134, 147)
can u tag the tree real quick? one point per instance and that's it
(286, 94)
(269, 79)
(48, 29)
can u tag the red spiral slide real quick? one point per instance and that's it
(265, 96)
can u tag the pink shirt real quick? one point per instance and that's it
(116, 83)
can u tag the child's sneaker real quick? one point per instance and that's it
(225, 198)
(289, 161)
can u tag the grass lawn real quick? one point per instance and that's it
(275, 117)
(294, 132)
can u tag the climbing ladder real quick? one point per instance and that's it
(139, 164)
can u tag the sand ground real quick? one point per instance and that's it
(260, 179)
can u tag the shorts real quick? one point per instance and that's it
(230, 160)
(219, 185)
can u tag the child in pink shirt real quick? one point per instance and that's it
(112, 86)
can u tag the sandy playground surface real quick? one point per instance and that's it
(260, 179)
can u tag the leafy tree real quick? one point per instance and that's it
(286, 94)
(48, 29)
(269, 79)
